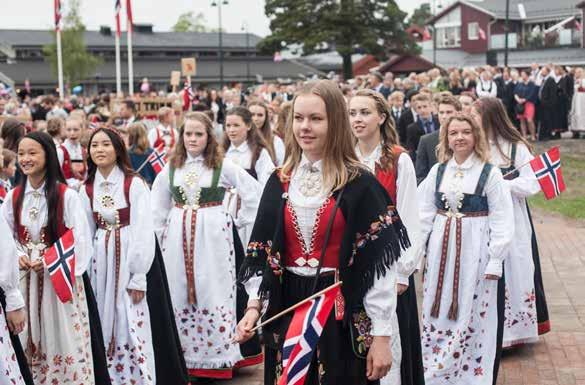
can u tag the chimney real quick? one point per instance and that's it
(105, 30)
(142, 28)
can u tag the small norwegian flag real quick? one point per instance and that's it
(302, 337)
(426, 35)
(547, 168)
(482, 34)
(129, 15)
(188, 96)
(117, 10)
(158, 159)
(60, 262)
(3, 193)
(57, 15)
(578, 25)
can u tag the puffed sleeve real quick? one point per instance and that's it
(9, 279)
(525, 184)
(75, 218)
(161, 200)
(86, 205)
(380, 302)
(141, 242)
(264, 167)
(279, 149)
(501, 223)
(408, 209)
(249, 190)
(426, 204)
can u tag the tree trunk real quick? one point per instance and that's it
(347, 66)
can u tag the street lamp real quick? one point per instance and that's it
(245, 28)
(218, 4)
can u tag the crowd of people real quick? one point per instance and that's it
(269, 195)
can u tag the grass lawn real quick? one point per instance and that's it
(571, 203)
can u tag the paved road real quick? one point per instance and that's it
(559, 357)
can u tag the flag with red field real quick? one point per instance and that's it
(158, 159)
(188, 96)
(129, 15)
(3, 193)
(547, 168)
(117, 10)
(57, 15)
(302, 337)
(60, 262)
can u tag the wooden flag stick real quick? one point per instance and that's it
(525, 164)
(293, 307)
(146, 161)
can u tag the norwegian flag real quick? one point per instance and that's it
(129, 15)
(578, 25)
(426, 35)
(547, 168)
(188, 96)
(117, 10)
(158, 159)
(482, 34)
(2, 194)
(60, 262)
(302, 337)
(57, 15)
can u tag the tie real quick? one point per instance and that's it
(428, 127)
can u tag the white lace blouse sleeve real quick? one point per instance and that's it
(264, 167)
(501, 223)
(141, 242)
(86, 205)
(426, 204)
(279, 149)
(161, 201)
(249, 190)
(380, 303)
(75, 218)
(9, 279)
(525, 184)
(408, 210)
(8, 215)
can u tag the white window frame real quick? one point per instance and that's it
(473, 31)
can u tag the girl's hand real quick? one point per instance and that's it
(379, 360)
(16, 320)
(24, 262)
(246, 324)
(137, 295)
(400, 288)
(37, 266)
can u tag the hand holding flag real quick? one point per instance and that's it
(59, 260)
(547, 168)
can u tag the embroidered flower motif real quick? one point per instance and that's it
(384, 221)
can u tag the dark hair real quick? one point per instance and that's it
(255, 141)
(54, 126)
(122, 158)
(213, 156)
(496, 123)
(265, 130)
(452, 101)
(12, 130)
(53, 176)
(130, 105)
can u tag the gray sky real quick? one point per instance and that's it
(38, 14)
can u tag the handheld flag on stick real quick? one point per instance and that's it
(303, 334)
(547, 168)
(60, 262)
(157, 159)
(188, 96)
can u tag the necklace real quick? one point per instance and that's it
(311, 181)
(33, 212)
(106, 200)
(191, 178)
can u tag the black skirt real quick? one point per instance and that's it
(501, 309)
(411, 368)
(168, 354)
(335, 363)
(541, 307)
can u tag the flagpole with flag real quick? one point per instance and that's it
(129, 27)
(117, 10)
(59, 48)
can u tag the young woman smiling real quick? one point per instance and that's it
(197, 239)
(117, 206)
(465, 216)
(320, 190)
(260, 117)
(377, 148)
(57, 337)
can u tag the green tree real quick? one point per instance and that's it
(78, 63)
(421, 15)
(188, 22)
(348, 26)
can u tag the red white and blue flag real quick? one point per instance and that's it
(547, 168)
(158, 159)
(188, 96)
(117, 10)
(57, 15)
(3, 193)
(60, 262)
(130, 19)
(302, 337)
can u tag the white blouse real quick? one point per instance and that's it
(279, 150)
(406, 206)
(242, 156)
(74, 149)
(9, 278)
(525, 184)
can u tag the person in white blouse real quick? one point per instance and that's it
(117, 207)
(320, 190)
(74, 151)
(39, 211)
(260, 117)
(508, 150)
(196, 236)
(464, 209)
(245, 147)
(486, 86)
(164, 134)
(377, 148)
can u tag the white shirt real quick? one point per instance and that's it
(279, 150)
(165, 135)
(74, 149)
(242, 156)
(9, 278)
(486, 88)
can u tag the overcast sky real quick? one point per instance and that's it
(38, 14)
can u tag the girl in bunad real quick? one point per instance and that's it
(318, 195)
(508, 150)
(74, 153)
(196, 236)
(377, 148)
(245, 147)
(59, 337)
(464, 210)
(260, 117)
(117, 206)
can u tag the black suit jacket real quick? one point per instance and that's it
(426, 155)
(406, 119)
(413, 135)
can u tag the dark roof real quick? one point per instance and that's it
(94, 39)
(39, 72)
(535, 9)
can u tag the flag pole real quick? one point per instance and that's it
(129, 29)
(118, 67)
(60, 63)
(293, 307)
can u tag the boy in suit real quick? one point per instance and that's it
(425, 124)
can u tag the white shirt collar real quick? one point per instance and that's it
(30, 189)
(306, 163)
(242, 148)
(469, 162)
(194, 159)
(371, 159)
(116, 175)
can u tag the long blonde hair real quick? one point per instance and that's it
(340, 163)
(481, 147)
